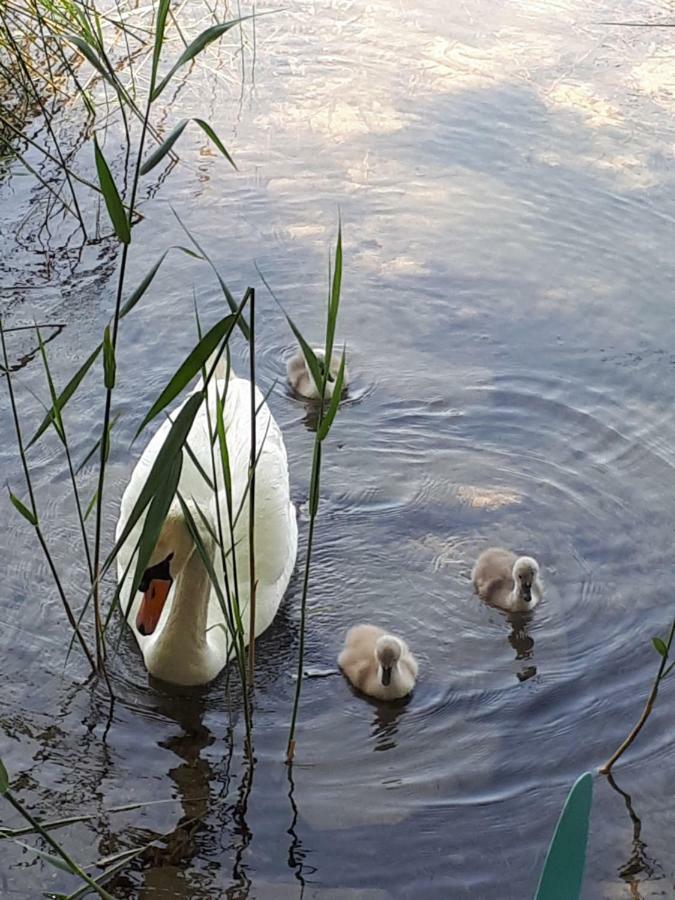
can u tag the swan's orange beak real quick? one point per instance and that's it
(152, 605)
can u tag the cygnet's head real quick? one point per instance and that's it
(388, 652)
(525, 574)
(302, 380)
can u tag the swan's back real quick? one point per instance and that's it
(275, 520)
(492, 575)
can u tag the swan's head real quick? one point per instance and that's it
(172, 551)
(301, 380)
(388, 652)
(525, 576)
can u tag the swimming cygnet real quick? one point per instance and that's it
(301, 380)
(377, 663)
(506, 580)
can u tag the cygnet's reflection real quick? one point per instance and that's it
(522, 642)
(385, 722)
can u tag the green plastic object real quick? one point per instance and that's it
(564, 866)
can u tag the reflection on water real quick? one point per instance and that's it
(522, 643)
(640, 866)
(504, 175)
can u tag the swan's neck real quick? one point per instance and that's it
(184, 632)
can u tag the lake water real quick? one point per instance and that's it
(504, 173)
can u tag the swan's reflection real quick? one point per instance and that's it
(639, 862)
(522, 642)
(168, 862)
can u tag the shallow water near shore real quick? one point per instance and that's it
(504, 177)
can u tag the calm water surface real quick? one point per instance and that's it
(504, 173)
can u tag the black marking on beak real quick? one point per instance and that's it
(527, 593)
(160, 570)
(386, 676)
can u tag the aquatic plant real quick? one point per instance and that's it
(663, 649)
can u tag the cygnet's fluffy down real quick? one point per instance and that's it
(301, 380)
(506, 580)
(377, 663)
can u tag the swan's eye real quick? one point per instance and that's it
(161, 570)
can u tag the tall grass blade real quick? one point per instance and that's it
(190, 367)
(90, 55)
(169, 450)
(195, 48)
(25, 512)
(142, 287)
(231, 302)
(112, 198)
(108, 360)
(55, 861)
(327, 420)
(160, 26)
(334, 303)
(65, 395)
(158, 155)
(98, 444)
(210, 133)
(563, 870)
(159, 507)
(315, 367)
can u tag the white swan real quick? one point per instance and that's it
(175, 613)
(506, 580)
(377, 663)
(302, 381)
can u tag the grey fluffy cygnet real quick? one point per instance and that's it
(377, 663)
(301, 380)
(506, 580)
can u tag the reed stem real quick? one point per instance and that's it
(648, 707)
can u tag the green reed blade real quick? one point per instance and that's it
(327, 420)
(195, 48)
(169, 450)
(89, 54)
(65, 395)
(190, 367)
(334, 303)
(208, 130)
(159, 507)
(231, 302)
(55, 861)
(160, 26)
(109, 367)
(98, 444)
(25, 512)
(158, 155)
(112, 198)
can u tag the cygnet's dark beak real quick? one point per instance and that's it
(527, 593)
(386, 675)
